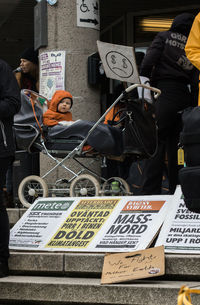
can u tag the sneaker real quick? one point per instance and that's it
(4, 271)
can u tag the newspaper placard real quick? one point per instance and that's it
(136, 224)
(52, 72)
(84, 222)
(123, 267)
(180, 232)
(118, 62)
(34, 227)
(97, 224)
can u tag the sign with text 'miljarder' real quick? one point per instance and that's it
(97, 224)
(180, 232)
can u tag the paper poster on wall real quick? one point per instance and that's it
(118, 62)
(180, 232)
(52, 72)
(97, 224)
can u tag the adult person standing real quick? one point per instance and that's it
(168, 68)
(27, 76)
(9, 106)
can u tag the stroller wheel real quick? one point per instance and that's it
(84, 185)
(30, 189)
(115, 186)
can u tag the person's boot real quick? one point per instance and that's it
(4, 270)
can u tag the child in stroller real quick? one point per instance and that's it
(68, 142)
(59, 109)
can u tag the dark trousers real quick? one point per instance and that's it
(174, 98)
(4, 222)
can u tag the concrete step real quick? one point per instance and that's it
(67, 290)
(178, 266)
(74, 278)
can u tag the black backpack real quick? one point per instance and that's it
(189, 176)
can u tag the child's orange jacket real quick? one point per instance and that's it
(51, 117)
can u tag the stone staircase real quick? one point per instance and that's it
(74, 278)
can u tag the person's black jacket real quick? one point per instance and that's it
(9, 106)
(165, 58)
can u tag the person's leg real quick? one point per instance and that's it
(153, 172)
(172, 152)
(153, 169)
(4, 221)
(174, 97)
(179, 99)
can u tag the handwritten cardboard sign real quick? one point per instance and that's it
(118, 62)
(123, 267)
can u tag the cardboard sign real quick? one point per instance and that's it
(129, 266)
(119, 62)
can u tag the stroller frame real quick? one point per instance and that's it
(32, 187)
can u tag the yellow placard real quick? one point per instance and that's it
(82, 225)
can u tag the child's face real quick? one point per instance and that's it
(64, 105)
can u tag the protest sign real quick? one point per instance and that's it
(118, 62)
(52, 72)
(97, 224)
(136, 225)
(124, 267)
(83, 223)
(40, 221)
(180, 232)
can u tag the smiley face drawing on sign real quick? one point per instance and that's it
(119, 64)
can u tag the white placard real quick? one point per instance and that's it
(88, 14)
(136, 224)
(119, 62)
(98, 224)
(52, 72)
(180, 232)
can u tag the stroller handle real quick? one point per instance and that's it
(132, 87)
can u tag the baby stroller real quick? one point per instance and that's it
(83, 139)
